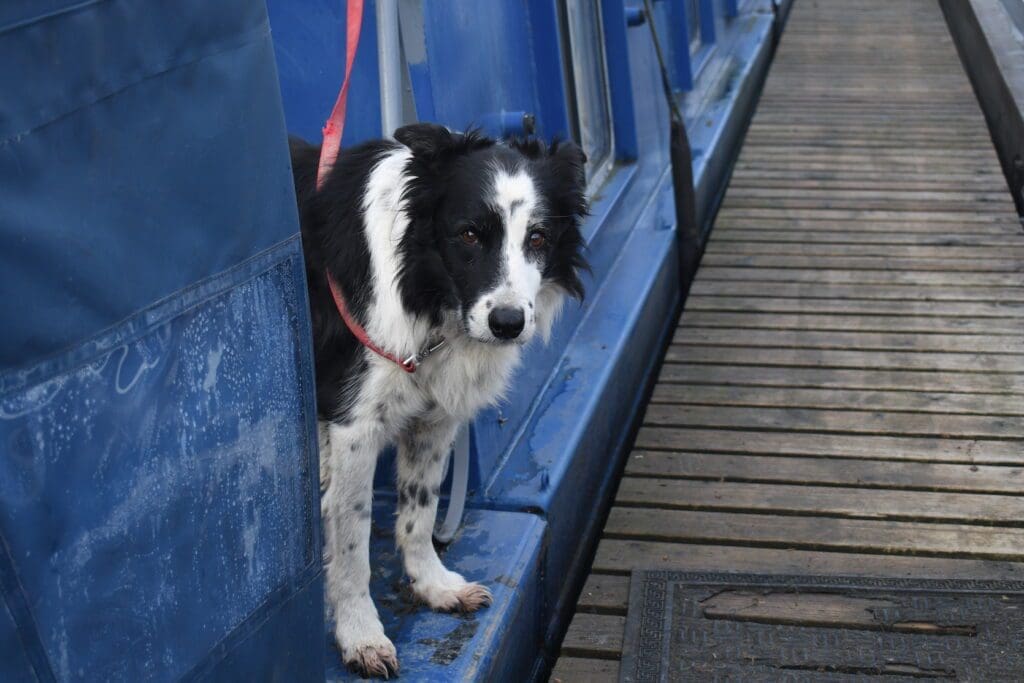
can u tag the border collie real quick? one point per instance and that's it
(435, 243)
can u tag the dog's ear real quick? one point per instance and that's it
(566, 188)
(432, 144)
(566, 180)
(425, 139)
(569, 164)
(426, 288)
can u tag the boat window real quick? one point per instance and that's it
(588, 79)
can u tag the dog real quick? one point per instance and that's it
(432, 260)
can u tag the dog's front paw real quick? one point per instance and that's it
(453, 594)
(368, 655)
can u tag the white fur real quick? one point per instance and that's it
(385, 223)
(519, 283)
(420, 411)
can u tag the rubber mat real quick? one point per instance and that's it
(685, 626)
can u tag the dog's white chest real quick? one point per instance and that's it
(457, 382)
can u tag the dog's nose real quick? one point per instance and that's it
(506, 322)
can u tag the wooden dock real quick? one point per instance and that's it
(845, 392)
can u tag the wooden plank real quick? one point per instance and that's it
(711, 273)
(900, 309)
(620, 556)
(823, 127)
(868, 145)
(879, 423)
(863, 341)
(788, 178)
(816, 445)
(749, 174)
(830, 471)
(878, 203)
(850, 360)
(957, 123)
(882, 253)
(940, 403)
(908, 119)
(820, 128)
(829, 195)
(732, 214)
(725, 235)
(739, 374)
(822, 501)
(597, 636)
(868, 229)
(917, 157)
(818, 534)
(792, 97)
(993, 265)
(582, 670)
(851, 323)
(604, 594)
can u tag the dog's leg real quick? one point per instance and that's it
(346, 507)
(422, 452)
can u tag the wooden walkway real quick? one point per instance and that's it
(845, 391)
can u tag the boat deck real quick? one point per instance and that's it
(845, 391)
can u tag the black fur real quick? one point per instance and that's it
(439, 273)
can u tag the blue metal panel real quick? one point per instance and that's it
(548, 70)
(309, 43)
(496, 42)
(718, 116)
(158, 495)
(707, 21)
(502, 550)
(512, 47)
(672, 24)
(613, 18)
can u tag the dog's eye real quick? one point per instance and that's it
(469, 236)
(537, 239)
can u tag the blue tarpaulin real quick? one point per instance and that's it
(158, 494)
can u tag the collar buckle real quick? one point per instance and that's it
(410, 363)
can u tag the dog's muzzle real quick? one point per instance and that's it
(506, 322)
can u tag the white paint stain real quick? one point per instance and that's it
(213, 358)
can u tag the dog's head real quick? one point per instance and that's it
(494, 236)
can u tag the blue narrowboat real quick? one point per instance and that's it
(159, 498)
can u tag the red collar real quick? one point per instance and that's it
(409, 364)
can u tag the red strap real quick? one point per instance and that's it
(335, 124)
(333, 129)
(359, 333)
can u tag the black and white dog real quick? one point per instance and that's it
(435, 241)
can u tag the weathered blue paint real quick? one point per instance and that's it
(159, 513)
(502, 550)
